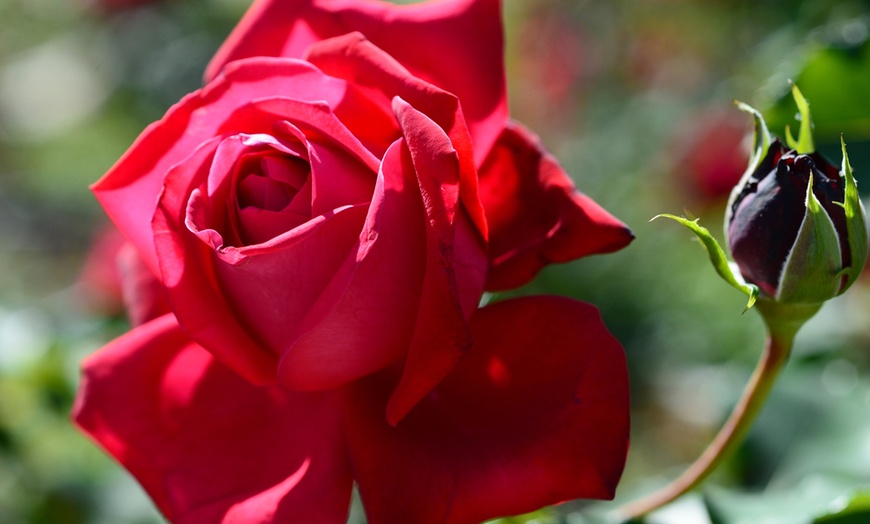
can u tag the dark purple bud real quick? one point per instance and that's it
(766, 217)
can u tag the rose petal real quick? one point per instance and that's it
(364, 318)
(441, 334)
(300, 119)
(129, 191)
(271, 292)
(457, 45)
(206, 445)
(535, 213)
(188, 275)
(535, 414)
(362, 63)
(232, 183)
(242, 303)
(260, 225)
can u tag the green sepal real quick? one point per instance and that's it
(717, 257)
(804, 145)
(760, 140)
(810, 272)
(856, 224)
(760, 143)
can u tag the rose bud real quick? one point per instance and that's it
(795, 225)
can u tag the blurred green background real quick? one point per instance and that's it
(633, 96)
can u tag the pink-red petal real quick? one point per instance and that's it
(441, 334)
(364, 318)
(360, 62)
(186, 263)
(129, 191)
(536, 413)
(205, 444)
(457, 45)
(536, 215)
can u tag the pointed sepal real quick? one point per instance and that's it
(804, 144)
(856, 223)
(717, 257)
(760, 144)
(761, 138)
(809, 273)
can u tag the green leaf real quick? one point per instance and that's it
(845, 107)
(855, 511)
(717, 257)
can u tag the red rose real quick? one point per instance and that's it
(319, 231)
(532, 206)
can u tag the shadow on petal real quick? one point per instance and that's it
(535, 414)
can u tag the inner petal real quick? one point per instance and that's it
(270, 181)
(273, 195)
(261, 192)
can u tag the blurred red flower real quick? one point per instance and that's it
(712, 153)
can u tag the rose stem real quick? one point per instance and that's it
(781, 332)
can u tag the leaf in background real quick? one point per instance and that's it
(836, 79)
(812, 501)
(856, 511)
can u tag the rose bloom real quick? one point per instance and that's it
(324, 216)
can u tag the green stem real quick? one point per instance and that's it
(782, 323)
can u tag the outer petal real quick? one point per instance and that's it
(129, 191)
(535, 414)
(457, 45)
(535, 214)
(205, 444)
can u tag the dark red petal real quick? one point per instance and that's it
(536, 215)
(456, 45)
(356, 59)
(129, 191)
(535, 414)
(205, 444)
